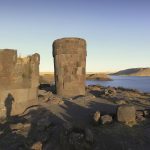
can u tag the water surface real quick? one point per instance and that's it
(140, 83)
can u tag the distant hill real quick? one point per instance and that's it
(134, 72)
(98, 76)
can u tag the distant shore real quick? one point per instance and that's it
(48, 77)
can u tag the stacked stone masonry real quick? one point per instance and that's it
(19, 80)
(69, 64)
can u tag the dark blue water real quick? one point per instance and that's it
(140, 83)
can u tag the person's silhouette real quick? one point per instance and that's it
(8, 104)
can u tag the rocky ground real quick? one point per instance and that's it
(104, 119)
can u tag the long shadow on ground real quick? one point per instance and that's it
(46, 127)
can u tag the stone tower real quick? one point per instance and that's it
(70, 66)
(19, 79)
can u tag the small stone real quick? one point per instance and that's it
(42, 92)
(41, 98)
(109, 91)
(37, 146)
(55, 100)
(89, 135)
(120, 102)
(126, 114)
(94, 88)
(17, 126)
(96, 116)
(106, 119)
(27, 125)
(140, 116)
(146, 113)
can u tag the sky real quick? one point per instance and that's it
(117, 31)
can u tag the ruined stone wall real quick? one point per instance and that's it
(18, 77)
(69, 64)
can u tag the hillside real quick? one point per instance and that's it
(134, 72)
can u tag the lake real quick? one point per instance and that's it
(140, 83)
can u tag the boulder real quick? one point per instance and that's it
(37, 146)
(110, 91)
(106, 119)
(126, 114)
(96, 116)
(140, 116)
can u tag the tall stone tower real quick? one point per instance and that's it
(70, 66)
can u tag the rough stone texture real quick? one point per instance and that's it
(126, 114)
(96, 116)
(106, 119)
(37, 146)
(140, 116)
(19, 79)
(70, 63)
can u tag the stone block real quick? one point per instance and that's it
(126, 114)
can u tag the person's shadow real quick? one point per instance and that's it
(8, 104)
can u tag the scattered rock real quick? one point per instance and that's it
(17, 126)
(106, 119)
(41, 98)
(94, 88)
(126, 114)
(109, 91)
(44, 96)
(37, 146)
(140, 116)
(42, 92)
(89, 135)
(146, 113)
(120, 102)
(55, 100)
(96, 117)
